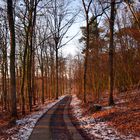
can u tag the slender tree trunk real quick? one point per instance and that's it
(32, 22)
(46, 77)
(12, 60)
(23, 79)
(33, 49)
(85, 79)
(33, 79)
(86, 58)
(5, 82)
(6, 66)
(57, 90)
(29, 76)
(111, 53)
(86, 9)
(29, 55)
(4, 71)
(3, 77)
(42, 76)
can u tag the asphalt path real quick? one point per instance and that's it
(56, 124)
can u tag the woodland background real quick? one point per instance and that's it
(33, 67)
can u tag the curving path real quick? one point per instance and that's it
(56, 124)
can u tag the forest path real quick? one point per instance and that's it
(56, 124)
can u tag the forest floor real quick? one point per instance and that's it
(119, 122)
(25, 124)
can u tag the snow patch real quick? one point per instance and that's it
(96, 130)
(25, 126)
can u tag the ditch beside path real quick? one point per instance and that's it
(56, 124)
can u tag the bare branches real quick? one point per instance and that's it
(133, 13)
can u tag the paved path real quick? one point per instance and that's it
(56, 124)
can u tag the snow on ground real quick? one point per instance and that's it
(96, 130)
(25, 126)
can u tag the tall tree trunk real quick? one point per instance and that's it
(12, 60)
(46, 77)
(31, 25)
(111, 53)
(29, 76)
(3, 85)
(5, 80)
(86, 9)
(33, 78)
(86, 58)
(42, 76)
(57, 90)
(5, 67)
(23, 79)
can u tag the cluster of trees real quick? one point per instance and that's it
(110, 56)
(32, 67)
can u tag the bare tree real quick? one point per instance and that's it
(86, 9)
(61, 19)
(111, 53)
(12, 60)
(131, 8)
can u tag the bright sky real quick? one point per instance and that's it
(73, 46)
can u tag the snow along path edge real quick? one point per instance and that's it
(95, 130)
(26, 125)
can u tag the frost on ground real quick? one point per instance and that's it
(95, 130)
(25, 126)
